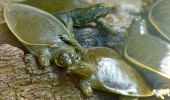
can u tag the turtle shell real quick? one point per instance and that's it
(33, 26)
(149, 52)
(159, 17)
(114, 75)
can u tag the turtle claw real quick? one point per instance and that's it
(86, 88)
(161, 93)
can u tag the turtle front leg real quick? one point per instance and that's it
(44, 57)
(83, 71)
(86, 88)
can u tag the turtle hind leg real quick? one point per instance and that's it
(44, 57)
(86, 88)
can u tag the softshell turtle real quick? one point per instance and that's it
(159, 18)
(110, 73)
(149, 55)
(49, 38)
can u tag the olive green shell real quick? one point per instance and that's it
(114, 75)
(149, 52)
(159, 17)
(33, 26)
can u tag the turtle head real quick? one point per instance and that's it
(65, 58)
(99, 10)
(90, 14)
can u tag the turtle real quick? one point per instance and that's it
(47, 37)
(150, 56)
(135, 50)
(109, 72)
(151, 60)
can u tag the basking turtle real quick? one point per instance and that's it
(47, 37)
(150, 55)
(149, 52)
(103, 69)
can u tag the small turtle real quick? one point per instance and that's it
(103, 69)
(151, 57)
(49, 38)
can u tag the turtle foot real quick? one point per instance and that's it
(160, 93)
(44, 57)
(86, 89)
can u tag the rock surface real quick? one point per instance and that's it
(22, 79)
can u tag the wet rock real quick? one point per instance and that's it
(21, 78)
